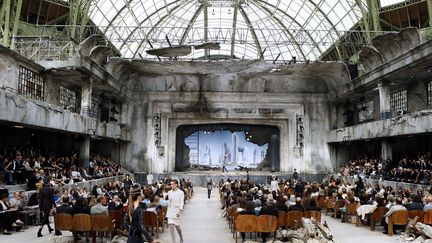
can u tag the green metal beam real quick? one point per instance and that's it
(160, 21)
(261, 3)
(190, 24)
(252, 30)
(6, 26)
(234, 27)
(148, 17)
(286, 31)
(206, 51)
(374, 6)
(429, 5)
(16, 20)
(365, 20)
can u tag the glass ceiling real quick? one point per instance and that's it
(244, 28)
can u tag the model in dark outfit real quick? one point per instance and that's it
(46, 203)
(134, 220)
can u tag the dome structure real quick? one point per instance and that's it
(245, 29)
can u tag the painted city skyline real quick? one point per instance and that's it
(224, 147)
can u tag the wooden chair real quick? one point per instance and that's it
(313, 214)
(267, 224)
(102, 223)
(233, 219)
(162, 217)
(294, 219)
(151, 221)
(246, 224)
(321, 202)
(282, 219)
(397, 218)
(427, 217)
(416, 213)
(118, 217)
(63, 221)
(377, 216)
(81, 223)
(338, 204)
(351, 210)
(329, 204)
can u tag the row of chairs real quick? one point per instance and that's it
(254, 224)
(105, 223)
(267, 223)
(89, 224)
(400, 218)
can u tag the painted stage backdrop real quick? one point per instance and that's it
(218, 148)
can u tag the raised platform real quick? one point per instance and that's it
(199, 177)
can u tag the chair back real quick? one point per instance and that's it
(427, 217)
(416, 213)
(351, 208)
(313, 214)
(267, 223)
(400, 217)
(63, 221)
(246, 223)
(102, 223)
(282, 219)
(117, 216)
(321, 202)
(330, 202)
(378, 213)
(150, 219)
(294, 218)
(82, 222)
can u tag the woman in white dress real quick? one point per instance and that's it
(175, 207)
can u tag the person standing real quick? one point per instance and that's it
(46, 203)
(209, 186)
(127, 184)
(175, 207)
(134, 219)
(150, 178)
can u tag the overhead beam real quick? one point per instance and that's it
(252, 30)
(206, 51)
(234, 27)
(429, 5)
(16, 20)
(286, 31)
(190, 24)
(374, 6)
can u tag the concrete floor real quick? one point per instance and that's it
(201, 223)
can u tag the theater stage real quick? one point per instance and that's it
(199, 177)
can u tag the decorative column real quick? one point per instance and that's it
(384, 98)
(86, 96)
(84, 155)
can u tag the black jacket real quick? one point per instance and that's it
(65, 209)
(46, 198)
(269, 210)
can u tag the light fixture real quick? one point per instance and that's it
(18, 126)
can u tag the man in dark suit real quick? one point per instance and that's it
(115, 204)
(46, 203)
(269, 209)
(65, 208)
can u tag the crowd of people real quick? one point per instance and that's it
(247, 197)
(126, 196)
(412, 170)
(28, 165)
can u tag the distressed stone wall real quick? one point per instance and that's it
(243, 92)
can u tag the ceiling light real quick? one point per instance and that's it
(18, 126)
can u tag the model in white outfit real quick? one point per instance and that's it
(175, 207)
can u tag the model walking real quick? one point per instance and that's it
(175, 208)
